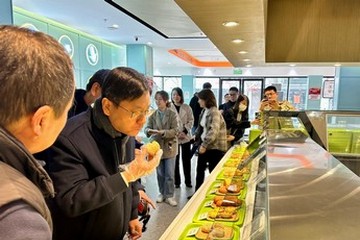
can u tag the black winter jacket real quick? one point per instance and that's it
(92, 200)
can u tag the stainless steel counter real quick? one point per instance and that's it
(311, 194)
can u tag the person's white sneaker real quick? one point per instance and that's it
(160, 198)
(171, 201)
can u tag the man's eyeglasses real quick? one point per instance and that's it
(270, 94)
(136, 114)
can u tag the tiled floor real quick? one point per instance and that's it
(164, 214)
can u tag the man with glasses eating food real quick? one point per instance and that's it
(271, 102)
(95, 165)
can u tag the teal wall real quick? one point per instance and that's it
(187, 83)
(140, 57)
(87, 52)
(347, 85)
(6, 17)
(314, 81)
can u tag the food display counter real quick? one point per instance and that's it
(311, 194)
(336, 131)
(295, 190)
(196, 212)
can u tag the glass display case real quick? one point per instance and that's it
(338, 132)
(343, 133)
(295, 190)
(243, 214)
(312, 195)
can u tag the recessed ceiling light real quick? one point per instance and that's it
(248, 65)
(237, 40)
(230, 24)
(292, 65)
(246, 60)
(113, 27)
(243, 52)
(149, 43)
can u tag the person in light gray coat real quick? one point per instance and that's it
(186, 121)
(162, 126)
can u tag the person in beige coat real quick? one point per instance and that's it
(186, 121)
(162, 126)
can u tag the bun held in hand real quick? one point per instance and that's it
(152, 148)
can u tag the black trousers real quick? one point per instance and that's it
(208, 159)
(185, 151)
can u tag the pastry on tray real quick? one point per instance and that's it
(215, 231)
(231, 172)
(234, 186)
(228, 214)
(227, 201)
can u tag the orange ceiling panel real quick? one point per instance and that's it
(184, 55)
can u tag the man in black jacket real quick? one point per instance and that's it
(195, 106)
(234, 94)
(94, 167)
(85, 98)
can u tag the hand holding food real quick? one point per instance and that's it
(140, 167)
(152, 148)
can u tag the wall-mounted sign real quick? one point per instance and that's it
(29, 26)
(237, 71)
(92, 54)
(67, 44)
(314, 93)
(328, 89)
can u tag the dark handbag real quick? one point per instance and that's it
(245, 124)
(242, 125)
(144, 213)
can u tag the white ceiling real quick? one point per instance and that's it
(170, 28)
(96, 17)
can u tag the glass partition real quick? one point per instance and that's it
(343, 133)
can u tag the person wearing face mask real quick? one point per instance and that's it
(237, 118)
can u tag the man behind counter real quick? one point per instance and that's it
(271, 102)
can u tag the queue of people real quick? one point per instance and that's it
(91, 182)
(91, 177)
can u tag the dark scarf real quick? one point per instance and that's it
(102, 122)
(17, 156)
